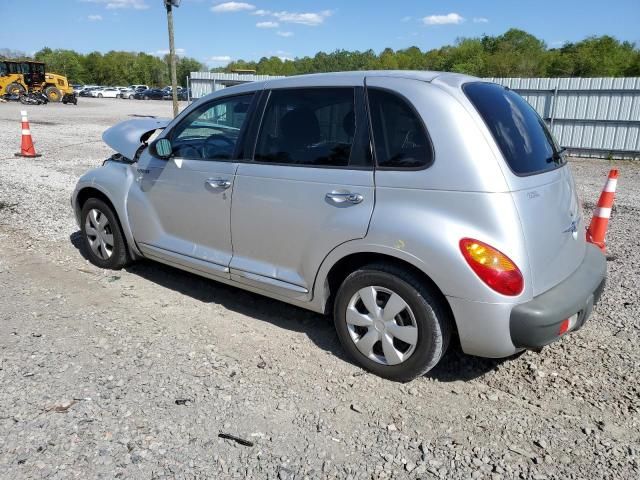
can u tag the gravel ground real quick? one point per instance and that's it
(134, 374)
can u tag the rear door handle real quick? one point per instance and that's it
(218, 183)
(341, 197)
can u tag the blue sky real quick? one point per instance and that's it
(215, 31)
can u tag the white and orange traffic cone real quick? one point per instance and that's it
(26, 149)
(597, 231)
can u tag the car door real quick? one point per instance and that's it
(180, 207)
(308, 189)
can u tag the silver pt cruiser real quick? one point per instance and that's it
(411, 205)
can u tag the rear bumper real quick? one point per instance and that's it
(537, 323)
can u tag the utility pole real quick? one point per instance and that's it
(169, 4)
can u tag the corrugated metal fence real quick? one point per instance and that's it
(204, 83)
(597, 117)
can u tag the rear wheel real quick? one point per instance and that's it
(100, 95)
(102, 238)
(15, 89)
(146, 97)
(390, 322)
(53, 94)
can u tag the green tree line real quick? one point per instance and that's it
(513, 54)
(114, 68)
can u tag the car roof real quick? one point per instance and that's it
(347, 79)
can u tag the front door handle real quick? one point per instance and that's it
(341, 197)
(218, 183)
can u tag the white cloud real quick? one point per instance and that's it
(161, 53)
(219, 59)
(267, 24)
(309, 19)
(232, 7)
(94, 18)
(121, 4)
(448, 19)
(480, 20)
(285, 34)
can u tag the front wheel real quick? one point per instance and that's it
(102, 238)
(390, 322)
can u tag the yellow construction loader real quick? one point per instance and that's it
(19, 77)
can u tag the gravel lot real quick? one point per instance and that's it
(134, 374)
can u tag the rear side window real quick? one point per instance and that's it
(523, 137)
(308, 127)
(401, 141)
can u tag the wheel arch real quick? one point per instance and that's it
(90, 191)
(337, 267)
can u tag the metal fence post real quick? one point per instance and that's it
(552, 113)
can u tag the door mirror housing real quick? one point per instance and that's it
(163, 148)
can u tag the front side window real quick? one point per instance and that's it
(401, 141)
(521, 135)
(308, 127)
(211, 132)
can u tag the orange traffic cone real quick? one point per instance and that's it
(598, 229)
(27, 149)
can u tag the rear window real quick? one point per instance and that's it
(523, 137)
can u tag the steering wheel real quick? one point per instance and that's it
(217, 137)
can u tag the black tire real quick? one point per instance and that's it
(120, 253)
(100, 95)
(53, 94)
(146, 97)
(15, 88)
(432, 319)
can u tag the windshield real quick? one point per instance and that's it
(522, 136)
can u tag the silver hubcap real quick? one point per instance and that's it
(382, 325)
(99, 234)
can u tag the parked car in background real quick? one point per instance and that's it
(77, 88)
(149, 94)
(425, 204)
(127, 93)
(182, 94)
(109, 92)
(86, 91)
(139, 87)
(130, 91)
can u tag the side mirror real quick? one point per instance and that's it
(163, 148)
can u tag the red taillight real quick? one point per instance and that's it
(564, 327)
(492, 266)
